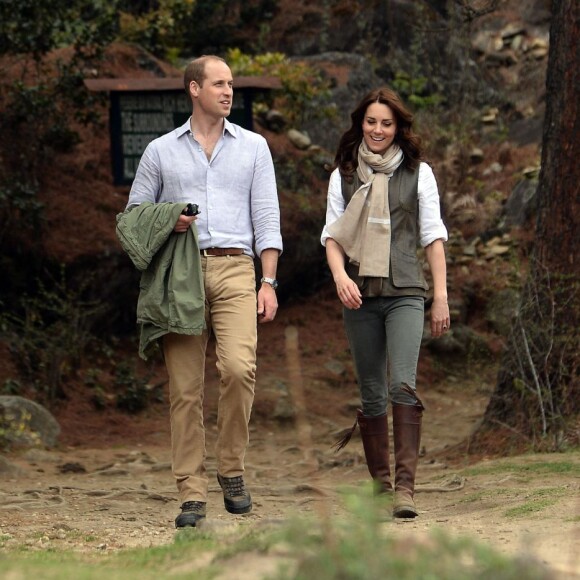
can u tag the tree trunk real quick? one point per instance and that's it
(536, 401)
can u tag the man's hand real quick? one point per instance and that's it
(267, 303)
(183, 223)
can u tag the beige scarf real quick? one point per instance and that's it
(364, 229)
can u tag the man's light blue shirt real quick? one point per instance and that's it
(235, 190)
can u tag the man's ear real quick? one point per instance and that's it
(193, 89)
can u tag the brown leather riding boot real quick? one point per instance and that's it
(406, 439)
(375, 437)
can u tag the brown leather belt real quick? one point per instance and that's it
(222, 252)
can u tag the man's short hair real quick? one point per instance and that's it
(195, 70)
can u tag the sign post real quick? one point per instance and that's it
(143, 109)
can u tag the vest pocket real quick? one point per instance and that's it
(407, 270)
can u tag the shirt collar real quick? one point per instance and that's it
(186, 127)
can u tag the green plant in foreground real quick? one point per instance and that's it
(359, 546)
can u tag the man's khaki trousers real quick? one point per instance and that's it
(230, 313)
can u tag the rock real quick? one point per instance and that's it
(490, 116)
(274, 120)
(539, 43)
(7, 468)
(539, 53)
(512, 30)
(284, 410)
(335, 367)
(470, 250)
(526, 131)
(298, 139)
(531, 172)
(483, 42)
(501, 58)
(495, 167)
(36, 455)
(517, 42)
(496, 250)
(501, 309)
(458, 310)
(26, 423)
(351, 76)
(460, 340)
(535, 11)
(521, 204)
(476, 155)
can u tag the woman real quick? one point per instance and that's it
(382, 202)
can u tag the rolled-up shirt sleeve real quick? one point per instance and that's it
(431, 226)
(264, 205)
(334, 204)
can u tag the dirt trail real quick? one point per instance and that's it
(89, 497)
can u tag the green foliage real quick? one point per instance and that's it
(531, 507)
(51, 334)
(15, 428)
(415, 90)
(133, 392)
(37, 27)
(174, 29)
(542, 347)
(359, 547)
(547, 467)
(11, 387)
(92, 381)
(163, 30)
(42, 97)
(301, 84)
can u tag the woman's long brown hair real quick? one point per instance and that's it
(347, 153)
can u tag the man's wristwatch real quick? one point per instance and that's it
(271, 281)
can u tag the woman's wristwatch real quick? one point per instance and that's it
(273, 282)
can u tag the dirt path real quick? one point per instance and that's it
(90, 498)
(95, 500)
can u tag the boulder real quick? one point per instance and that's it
(24, 423)
(459, 341)
(298, 139)
(521, 204)
(500, 310)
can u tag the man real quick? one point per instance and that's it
(228, 172)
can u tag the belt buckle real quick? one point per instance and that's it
(204, 253)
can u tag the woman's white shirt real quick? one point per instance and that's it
(431, 226)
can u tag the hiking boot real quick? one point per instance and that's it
(404, 505)
(191, 513)
(236, 499)
(407, 437)
(375, 437)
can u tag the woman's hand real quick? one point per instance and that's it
(183, 223)
(346, 288)
(440, 321)
(348, 292)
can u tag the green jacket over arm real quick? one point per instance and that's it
(171, 297)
